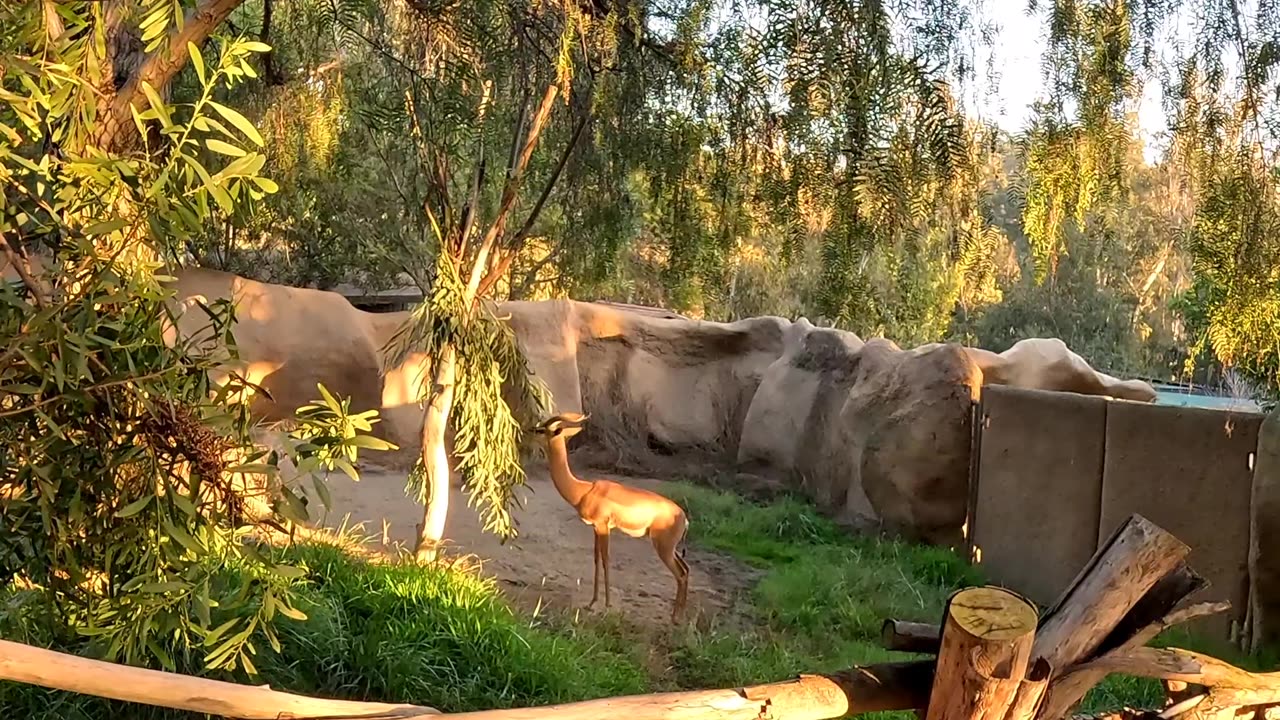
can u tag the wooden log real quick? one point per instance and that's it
(1031, 691)
(912, 637)
(891, 686)
(1226, 687)
(1122, 571)
(875, 688)
(60, 671)
(1153, 613)
(1067, 691)
(987, 637)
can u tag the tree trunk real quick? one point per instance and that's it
(127, 67)
(987, 637)
(435, 453)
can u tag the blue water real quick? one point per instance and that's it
(1165, 397)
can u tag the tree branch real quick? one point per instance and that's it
(510, 190)
(24, 272)
(513, 247)
(158, 68)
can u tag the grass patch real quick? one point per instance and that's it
(444, 637)
(395, 632)
(823, 596)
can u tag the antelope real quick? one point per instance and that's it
(605, 505)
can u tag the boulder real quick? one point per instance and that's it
(1048, 364)
(873, 433)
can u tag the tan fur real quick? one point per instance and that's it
(606, 505)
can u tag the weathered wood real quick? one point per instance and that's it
(1226, 687)
(1031, 691)
(60, 671)
(912, 637)
(875, 688)
(1153, 613)
(987, 636)
(1066, 691)
(1122, 571)
(893, 686)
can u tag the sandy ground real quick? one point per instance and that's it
(550, 563)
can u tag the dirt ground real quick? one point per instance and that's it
(550, 563)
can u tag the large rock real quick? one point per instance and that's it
(1048, 364)
(877, 434)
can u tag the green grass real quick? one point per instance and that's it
(446, 638)
(823, 595)
(399, 633)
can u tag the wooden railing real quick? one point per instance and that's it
(996, 660)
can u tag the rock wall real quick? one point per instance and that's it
(877, 434)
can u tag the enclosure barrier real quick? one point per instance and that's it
(996, 659)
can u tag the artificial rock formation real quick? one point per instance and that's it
(877, 434)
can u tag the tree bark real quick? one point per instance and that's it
(1067, 691)
(128, 68)
(46, 668)
(435, 453)
(987, 637)
(1123, 598)
(1031, 691)
(1225, 686)
(1136, 557)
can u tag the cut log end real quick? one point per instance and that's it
(987, 637)
(992, 614)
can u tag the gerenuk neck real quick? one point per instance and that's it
(570, 488)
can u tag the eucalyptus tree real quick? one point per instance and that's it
(122, 464)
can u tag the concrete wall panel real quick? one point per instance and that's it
(1038, 487)
(1188, 471)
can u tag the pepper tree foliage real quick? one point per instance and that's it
(124, 520)
(732, 149)
(810, 121)
(1220, 88)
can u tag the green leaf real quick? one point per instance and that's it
(135, 507)
(289, 571)
(255, 46)
(268, 185)
(197, 62)
(225, 148)
(159, 652)
(161, 588)
(290, 612)
(241, 122)
(158, 105)
(105, 227)
(219, 631)
(368, 442)
(329, 400)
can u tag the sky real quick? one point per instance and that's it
(1018, 50)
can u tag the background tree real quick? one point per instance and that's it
(122, 467)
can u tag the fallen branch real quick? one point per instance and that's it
(1069, 689)
(1137, 556)
(60, 671)
(912, 637)
(889, 686)
(1227, 686)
